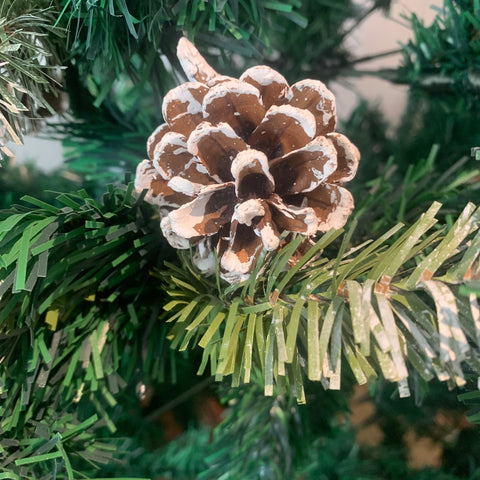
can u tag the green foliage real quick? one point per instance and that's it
(182, 459)
(364, 306)
(260, 437)
(443, 119)
(122, 62)
(54, 444)
(472, 399)
(426, 158)
(445, 55)
(395, 197)
(273, 437)
(339, 457)
(108, 30)
(318, 50)
(79, 338)
(89, 310)
(29, 56)
(16, 180)
(266, 431)
(100, 152)
(436, 414)
(70, 330)
(124, 52)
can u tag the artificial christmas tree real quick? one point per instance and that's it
(104, 327)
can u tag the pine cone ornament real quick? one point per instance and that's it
(239, 162)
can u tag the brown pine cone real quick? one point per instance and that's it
(238, 162)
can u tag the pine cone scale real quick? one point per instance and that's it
(239, 254)
(304, 169)
(155, 137)
(347, 157)
(315, 97)
(216, 147)
(252, 176)
(186, 98)
(171, 155)
(283, 129)
(291, 218)
(272, 85)
(204, 215)
(332, 205)
(236, 103)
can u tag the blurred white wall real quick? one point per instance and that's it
(46, 154)
(375, 35)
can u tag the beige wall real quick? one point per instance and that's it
(376, 35)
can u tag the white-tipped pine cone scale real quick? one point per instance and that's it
(239, 162)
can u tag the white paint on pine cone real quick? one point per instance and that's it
(218, 79)
(155, 138)
(182, 185)
(172, 238)
(204, 259)
(325, 95)
(247, 160)
(246, 211)
(192, 62)
(198, 165)
(308, 170)
(143, 177)
(169, 139)
(263, 75)
(348, 157)
(184, 95)
(312, 163)
(172, 138)
(234, 86)
(302, 117)
(186, 220)
(270, 239)
(341, 201)
(293, 212)
(203, 130)
(235, 270)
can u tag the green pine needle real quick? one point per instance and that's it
(378, 297)
(28, 55)
(66, 325)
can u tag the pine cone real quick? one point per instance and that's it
(238, 162)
